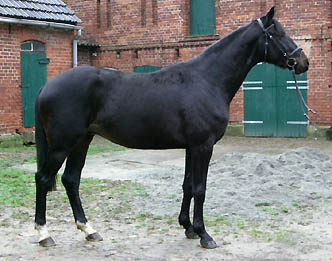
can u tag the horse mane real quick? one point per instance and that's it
(229, 38)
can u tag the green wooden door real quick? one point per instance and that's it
(290, 119)
(202, 17)
(146, 69)
(271, 106)
(33, 77)
(259, 96)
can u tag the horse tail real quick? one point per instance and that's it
(42, 149)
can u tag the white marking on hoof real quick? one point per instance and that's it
(86, 228)
(42, 232)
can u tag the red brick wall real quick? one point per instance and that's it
(155, 33)
(58, 49)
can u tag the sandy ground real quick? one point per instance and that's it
(266, 199)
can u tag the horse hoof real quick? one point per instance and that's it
(94, 237)
(191, 235)
(47, 242)
(208, 244)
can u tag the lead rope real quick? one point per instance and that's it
(304, 106)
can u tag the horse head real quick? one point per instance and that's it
(278, 48)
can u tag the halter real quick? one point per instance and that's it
(291, 62)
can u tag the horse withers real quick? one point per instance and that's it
(185, 105)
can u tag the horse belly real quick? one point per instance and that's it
(140, 134)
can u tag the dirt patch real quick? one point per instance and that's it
(265, 204)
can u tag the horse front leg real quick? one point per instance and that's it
(200, 158)
(71, 181)
(184, 218)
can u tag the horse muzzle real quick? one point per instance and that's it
(300, 63)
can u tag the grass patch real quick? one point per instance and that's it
(17, 155)
(18, 149)
(17, 188)
(263, 204)
(101, 145)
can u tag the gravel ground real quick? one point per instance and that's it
(266, 199)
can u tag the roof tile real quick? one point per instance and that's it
(45, 10)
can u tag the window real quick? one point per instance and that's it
(33, 46)
(202, 17)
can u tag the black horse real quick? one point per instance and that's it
(185, 105)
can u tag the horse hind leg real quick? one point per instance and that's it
(45, 181)
(71, 181)
(184, 218)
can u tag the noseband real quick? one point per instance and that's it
(291, 62)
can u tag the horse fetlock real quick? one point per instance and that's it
(199, 228)
(184, 221)
(45, 239)
(85, 227)
(190, 234)
(91, 234)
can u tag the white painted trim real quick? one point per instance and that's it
(300, 87)
(253, 82)
(298, 81)
(252, 88)
(252, 122)
(298, 122)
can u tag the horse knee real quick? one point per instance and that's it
(198, 226)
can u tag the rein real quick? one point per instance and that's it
(304, 105)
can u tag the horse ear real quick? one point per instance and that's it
(270, 14)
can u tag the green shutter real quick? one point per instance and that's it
(146, 69)
(202, 17)
(33, 77)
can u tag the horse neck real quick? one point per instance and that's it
(227, 62)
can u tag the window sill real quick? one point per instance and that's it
(192, 38)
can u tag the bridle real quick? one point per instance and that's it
(291, 62)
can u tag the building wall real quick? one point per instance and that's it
(156, 32)
(58, 50)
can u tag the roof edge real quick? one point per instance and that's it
(40, 23)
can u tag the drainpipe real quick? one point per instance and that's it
(77, 36)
